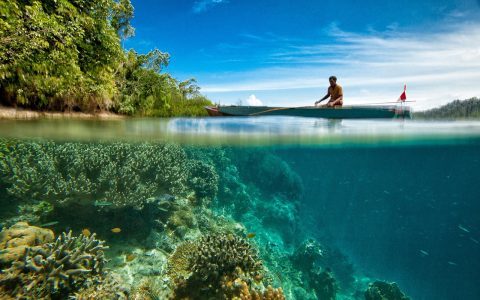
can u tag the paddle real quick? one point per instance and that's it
(319, 101)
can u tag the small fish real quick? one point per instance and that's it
(130, 257)
(86, 232)
(474, 240)
(49, 224)
(251, 235)
(462, 228)
(452, 263)
(424, 253)
(116, 230)
(167, 197)
(102, 203)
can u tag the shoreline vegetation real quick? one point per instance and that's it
(67, 56)
(12, 113)
(455, 110)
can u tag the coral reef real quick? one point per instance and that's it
(217, 266)
(203, 179)
(57, 269)
(220, 254)
(180, 262)
(270, 173)
(309, 252)
(148, 289)
(119, 174)
(380, 290)
(324, 284)
(279, 214)
(239, 289)
(32, 212)
(107, 289)
(15, 240)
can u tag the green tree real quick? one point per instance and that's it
(67, 54)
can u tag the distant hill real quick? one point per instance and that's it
(458, 109)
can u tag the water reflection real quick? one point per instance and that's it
(243, 130)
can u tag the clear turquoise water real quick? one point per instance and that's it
(399, 199)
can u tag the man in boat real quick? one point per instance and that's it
(335, 92)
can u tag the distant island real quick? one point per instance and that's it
(458, 109)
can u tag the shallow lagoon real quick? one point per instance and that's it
(363, 200)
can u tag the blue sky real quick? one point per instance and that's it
(278, 52)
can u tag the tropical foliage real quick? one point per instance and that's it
(466, 109)
(67, 55)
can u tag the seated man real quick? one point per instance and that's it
(335, 92)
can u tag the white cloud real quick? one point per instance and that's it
(252, 100)
(203, 5)
(437, 67)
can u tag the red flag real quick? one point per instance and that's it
(403, 96)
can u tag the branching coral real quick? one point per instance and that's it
(120, 173)
(203, 179)
(220, 254)
(56, 269)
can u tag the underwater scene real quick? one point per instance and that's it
(239, 208)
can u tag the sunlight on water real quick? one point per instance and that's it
(248, 131)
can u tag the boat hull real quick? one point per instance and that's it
(344, 112)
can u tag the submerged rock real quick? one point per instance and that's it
(380, 290)
(15, 240)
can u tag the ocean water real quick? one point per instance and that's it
(356, 201)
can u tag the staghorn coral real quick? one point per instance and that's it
(380, 290)
(15, 240)
(54, 270)
(120, 173)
